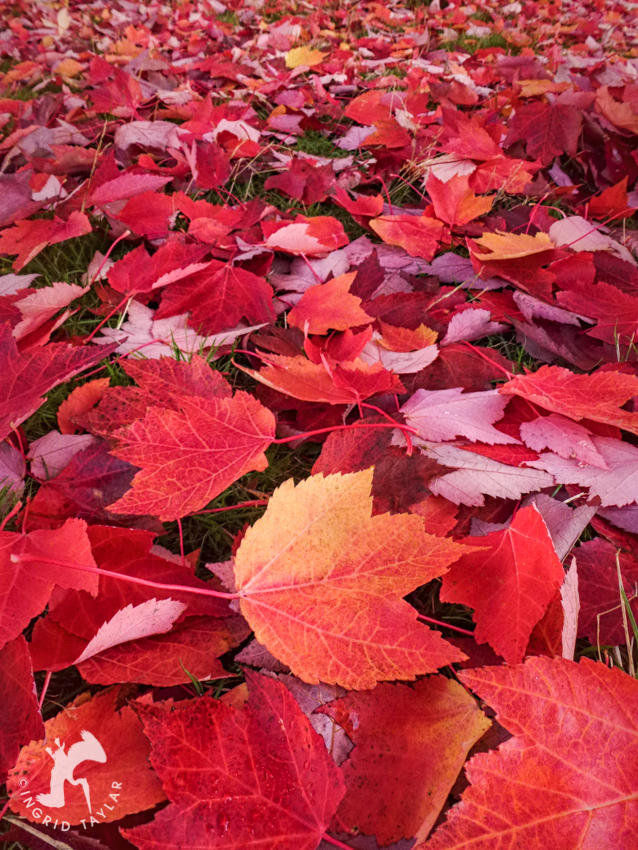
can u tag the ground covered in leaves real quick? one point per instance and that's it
(319, 422)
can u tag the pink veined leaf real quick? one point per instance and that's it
(476, 476)
(564, 523)
(401, 362)
(126, 186)
(469, 325)
(615, 485)
(53, 452)
(564, 437)
(12, 468)
(441, 415)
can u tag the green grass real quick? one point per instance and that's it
(316, 143)
(466, 44)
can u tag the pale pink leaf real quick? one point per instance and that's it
(564, 524)
(570, 600)
(12, 283)
(476, 476)
(153, 617)
(294, 239)
(12, 469)
(562, 436)
(401, 362)
(158, 135)
(154, 339)
(311, 697)
(625, 518)
(50, 454)
(532, 308)
(617, 485)
(441, 415)
(256, 655)
(127, 186)
(577, 233)
(471, 324)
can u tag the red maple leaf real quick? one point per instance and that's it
(26, 376)
(256, 776)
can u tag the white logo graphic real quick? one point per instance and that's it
(88, 749)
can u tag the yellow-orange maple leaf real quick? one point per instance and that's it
(303, 56)
(321, 582)
(511, 246)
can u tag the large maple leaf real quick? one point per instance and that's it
(218, 297)
(189, 456)
(568, 778)
(25, 377)
(509, 583)
(599, 396)
(548, 129)
(256, 777)
(321, 582)
(410, 745)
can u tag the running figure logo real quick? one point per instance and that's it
(64, 763)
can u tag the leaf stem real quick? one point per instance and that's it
(353, 427)
(45, 688)
(180, 588)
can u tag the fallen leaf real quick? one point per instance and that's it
(329, 306)
(410, 745)
(321, 584)
(132, 623)
(599, 396)
(26, 376)
(109, 743)
(441, 415)
(542, 788)
(262, 774)
(188, 457)
(21, 718)
(509, 583)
